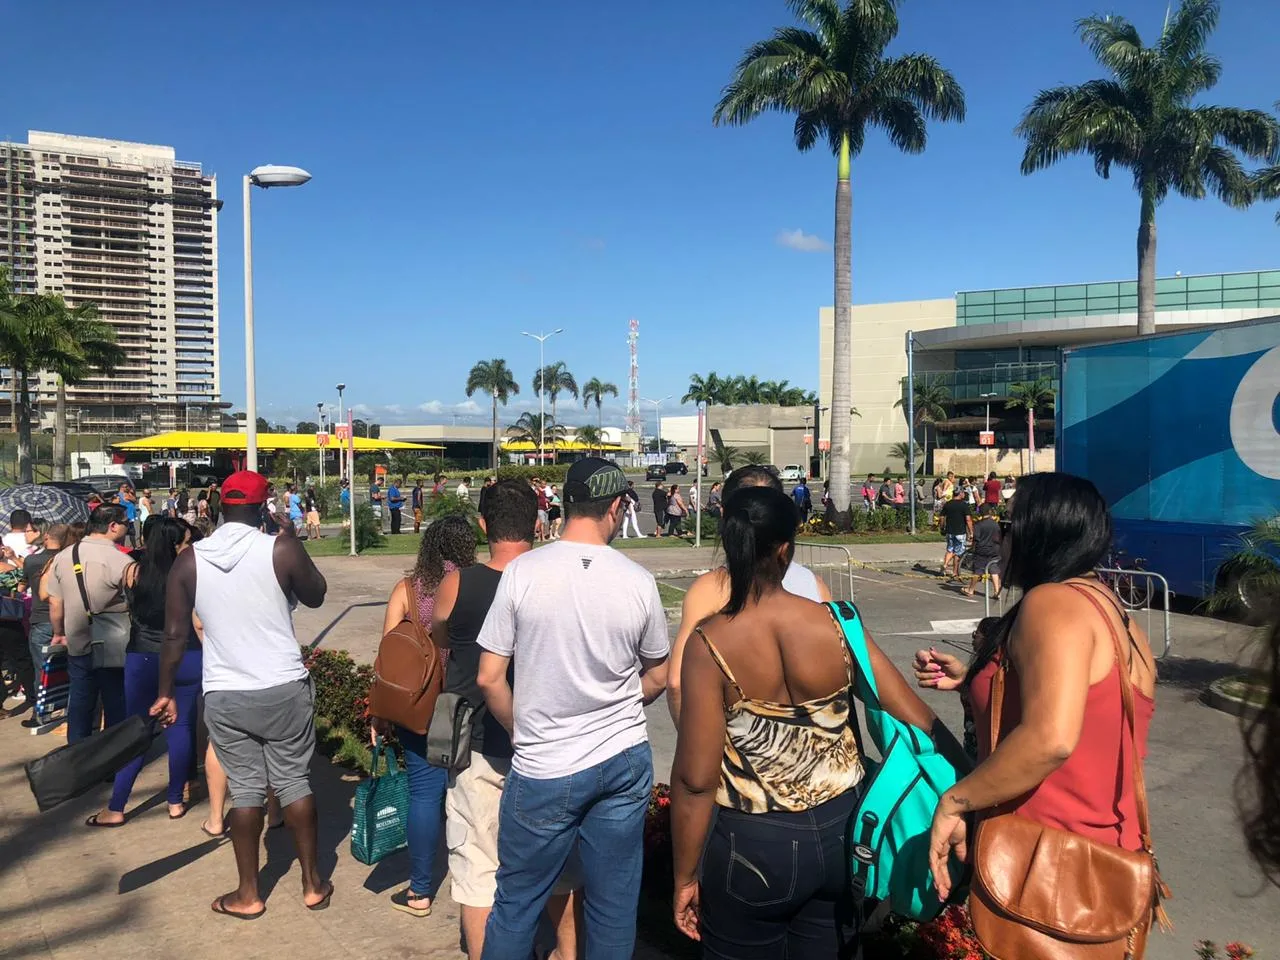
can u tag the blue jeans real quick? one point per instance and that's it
(87, 685)
(141, 687)
(426, 811)
(38, 637)
(601, 809)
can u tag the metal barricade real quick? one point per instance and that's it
(1156, 588)
(831, 563)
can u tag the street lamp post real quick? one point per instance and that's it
(343, 466)
(270, 175)
(657, 422)
(542, 339)
(986, 450)
(320, 429)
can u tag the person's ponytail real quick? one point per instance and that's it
(756, 521)
(738, 538)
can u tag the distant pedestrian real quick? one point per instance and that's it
(803, 500)
(714, 501)
(416, 495)
(957, 525)
(659, 507)
(395, 504)
(464, 489)
(632, 504)
(676, 510)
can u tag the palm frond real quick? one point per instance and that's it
(1114, 43)
(1255, 133)
(867, 27)
(923, 81)
(1185, 36)
(1224, 177)
(1097, 115)
(903, 123)
(1198, 74)
(822, 15)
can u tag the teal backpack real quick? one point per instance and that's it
(889, 830)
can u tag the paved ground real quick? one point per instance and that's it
(143, 891)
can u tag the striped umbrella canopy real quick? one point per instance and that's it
(43, 503)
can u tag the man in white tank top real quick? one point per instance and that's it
(710, 592)
(259, 703)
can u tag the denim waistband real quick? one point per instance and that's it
(837, 810)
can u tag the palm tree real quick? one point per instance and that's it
(1142, 119)
(755, 458)
(1267, 185)
(493, 377)
(1032, 396)
(553, 378)
(899, 451)
(533, 427)
(837, 81)
(930, 404)
(99, 353)
(592, 436)
(594, 391)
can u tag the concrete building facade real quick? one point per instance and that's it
(132, 229)
(978, 344)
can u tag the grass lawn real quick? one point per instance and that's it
(671, 596)
(405, 544)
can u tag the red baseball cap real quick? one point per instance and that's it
(244, 487)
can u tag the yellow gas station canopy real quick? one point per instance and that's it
(574, 445)
(203, 441)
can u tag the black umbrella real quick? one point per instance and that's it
(43, 503)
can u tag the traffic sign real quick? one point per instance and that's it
(986, 438)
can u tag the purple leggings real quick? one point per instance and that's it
(141, 683)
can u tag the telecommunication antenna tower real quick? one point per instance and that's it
(635, 422)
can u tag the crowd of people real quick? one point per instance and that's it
(557, 651)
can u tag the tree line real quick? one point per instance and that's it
(832, 74)
(495, 378)
(733, 390)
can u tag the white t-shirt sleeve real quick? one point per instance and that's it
(655, 643)
(498, 635)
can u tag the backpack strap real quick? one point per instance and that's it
(411, 592)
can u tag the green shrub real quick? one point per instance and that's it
(368, 528)
(342, 691)
(552, 472)
(451, 505)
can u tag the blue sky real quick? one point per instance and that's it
(486, 168)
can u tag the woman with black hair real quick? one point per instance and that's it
(145, 585)
(1066, 757)
(767, 749)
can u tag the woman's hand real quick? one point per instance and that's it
(686, 910)
(939, 671)
(378, 728)
(950, 832)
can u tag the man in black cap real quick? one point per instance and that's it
(588, 636)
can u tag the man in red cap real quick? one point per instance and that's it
(259, 703)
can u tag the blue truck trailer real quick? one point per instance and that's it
(1181, 434)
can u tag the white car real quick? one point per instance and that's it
(792, 473)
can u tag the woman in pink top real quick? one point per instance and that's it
(1065, 755)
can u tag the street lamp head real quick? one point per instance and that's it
(341, 387)
(275, 175)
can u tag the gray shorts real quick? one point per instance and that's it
(264, 738)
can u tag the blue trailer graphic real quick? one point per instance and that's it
(1181, 433)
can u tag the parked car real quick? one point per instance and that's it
(655, 471)
(104, 484)
(74, 487)
(677, 466)
(792, 473)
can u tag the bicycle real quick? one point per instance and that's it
(1134, 591)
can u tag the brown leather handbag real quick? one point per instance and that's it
(1039, 893)
(408, 673)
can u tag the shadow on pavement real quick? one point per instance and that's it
(329, 627)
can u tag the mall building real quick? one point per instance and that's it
(979, 343)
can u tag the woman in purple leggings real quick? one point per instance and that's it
(165, 538)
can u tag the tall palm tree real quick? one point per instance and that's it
(900, 451)
(1032, 396)
(594, 391)
(835, 78)
(1141, 118)
(1267, 184)
(930, 406)
(98, 353)
(493, 377)
(706, 391)
(552, 379)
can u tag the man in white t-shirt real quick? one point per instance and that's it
(587, 633)
(16, 538)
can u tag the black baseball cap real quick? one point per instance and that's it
(593, 479)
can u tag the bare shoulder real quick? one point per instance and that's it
(706, 595)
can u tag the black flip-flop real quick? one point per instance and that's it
(185, 808)
(93, 821)
(220, 907)
(204, 828)
(323, 904)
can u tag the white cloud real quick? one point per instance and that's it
(467, 408)
(431, 406)
(804, 242)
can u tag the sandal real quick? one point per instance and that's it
(220, 907)
(204, 828)
(93, 821)
(322, 904)
(181, 815)
(401, 901)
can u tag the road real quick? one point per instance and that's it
(1194, 755)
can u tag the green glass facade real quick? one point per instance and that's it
(1210, 292)
(970, 385)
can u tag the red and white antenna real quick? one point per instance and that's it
(635, 421)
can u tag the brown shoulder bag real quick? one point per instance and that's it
(1039, 893)
(408, 673)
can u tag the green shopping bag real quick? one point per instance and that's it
(381, 809)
